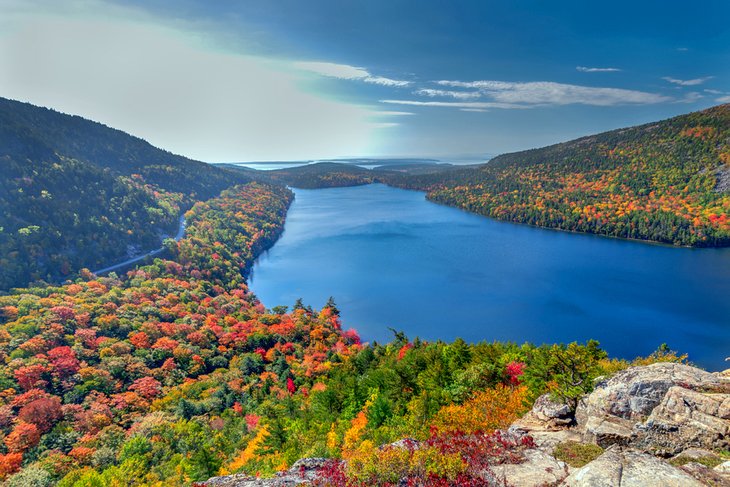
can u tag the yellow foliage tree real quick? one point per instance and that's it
(248, 453)
(487, 411)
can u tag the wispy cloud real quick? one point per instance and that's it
(394, 114)
(345, 71)
(682, 49)
(546, 93)
(459, 95)
(724, 98)
(454, 104)
(691, 97)
(585, 69)
(687, 82)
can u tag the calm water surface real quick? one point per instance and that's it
(392, 259)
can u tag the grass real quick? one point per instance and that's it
(708, 461)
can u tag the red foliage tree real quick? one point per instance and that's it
(403, 350)
(64, 361)
(43, 412)
(290, 386)
(514, 371)
(24, 436)
(64, 313)
(165, 343)
(139, 339)
(147, 387)
(9, 464)
(30, 376)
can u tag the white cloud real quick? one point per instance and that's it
(691, 97)
(379, 80)
(687, 82)
(459, 95)
(723, 99)
(584, 69)
(394, 114)
(129, 71)
(544, 93)
(345, 71)
(682, 49)
(713, 92)
(479, 110)
(453, 104)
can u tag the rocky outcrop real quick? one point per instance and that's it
(664, 408)
(687, 418)
(629, 468)
(642, 416)
(537, 469)
(705, 475)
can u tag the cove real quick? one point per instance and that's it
(393, 259)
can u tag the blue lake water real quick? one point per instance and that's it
(393, 259)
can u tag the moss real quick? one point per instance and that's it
(576, 454)
(709, 461)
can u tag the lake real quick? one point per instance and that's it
(393, 259)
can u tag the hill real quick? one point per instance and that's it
(317, 175)
(75, 193)
(663, 181)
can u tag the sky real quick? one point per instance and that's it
(260, 80)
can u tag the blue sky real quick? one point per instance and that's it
(292, 79)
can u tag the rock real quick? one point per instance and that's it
(633, 393)
(546, 440)
(551, 413)
(686, 418)
(705, 475)
(629, 468)
(538, 469)
(303, 471)
(308, 464)
(696, 454)
(723, 468)
(664, 407)
(548, 423)
(405, 443)
(237, 480)
(608, 430)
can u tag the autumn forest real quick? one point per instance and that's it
(174, 372)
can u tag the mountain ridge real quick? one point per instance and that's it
(75, 193)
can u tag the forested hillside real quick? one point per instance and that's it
(664, 182)
(75, 193)
(176, 373)
(318, 175)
